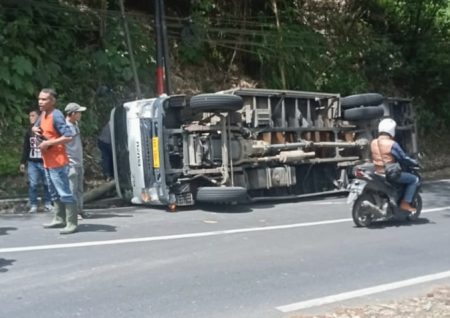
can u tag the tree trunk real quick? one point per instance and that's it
(99, 192)
(280, 42)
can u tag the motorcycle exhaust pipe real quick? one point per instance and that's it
(374, 209)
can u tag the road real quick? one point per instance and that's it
(262, 260)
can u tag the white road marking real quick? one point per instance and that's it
(183, 236)
(329, 203)
(435, 209)
(437, 181)
(169, 237)
(362, 292)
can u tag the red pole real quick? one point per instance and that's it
(159, 76)
(159, 80)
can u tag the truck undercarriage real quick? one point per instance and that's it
(245, 144)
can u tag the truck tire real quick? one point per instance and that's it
(216, 103)
(364, 113)
(358, 100)
(221, 194)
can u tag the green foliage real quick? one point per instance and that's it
(193, 49)
(67, 47)
(293, 50)
(420, 31)
(9, 160)
(398, 48)
(196, 45)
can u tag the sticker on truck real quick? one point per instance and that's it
(155, 146)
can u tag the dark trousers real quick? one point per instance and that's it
(107, 159)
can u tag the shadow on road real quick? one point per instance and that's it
(5, 262)
(217, 208)
(108, 215)
(240, 208)
(4, 230)
(96, 228)
(393, 223)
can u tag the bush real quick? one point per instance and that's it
(10, 160)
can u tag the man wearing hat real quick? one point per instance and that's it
(74, 149)
(53, 132)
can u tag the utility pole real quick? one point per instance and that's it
(130, 50)
(280, 41)
(165, 48)
(162, 54)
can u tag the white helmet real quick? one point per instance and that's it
(387, 126)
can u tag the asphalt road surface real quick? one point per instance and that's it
(261, 260)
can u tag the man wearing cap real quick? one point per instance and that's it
(52, 129)
(74, 150)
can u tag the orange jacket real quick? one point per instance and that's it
(381, 152)
(54, 156)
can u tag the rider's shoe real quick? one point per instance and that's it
(33, 209)
(407, 207)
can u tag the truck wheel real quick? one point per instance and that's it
(216, 103)
(364, 113)
(358, 100)
(221, 194)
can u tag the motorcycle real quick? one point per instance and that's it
(373, 198)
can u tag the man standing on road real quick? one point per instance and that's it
(54, 132)
(74, 150)
(32, 162)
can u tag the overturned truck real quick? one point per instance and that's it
(246, 144)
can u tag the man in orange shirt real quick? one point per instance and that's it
(51, 127)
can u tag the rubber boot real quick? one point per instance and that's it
(59, 220)
(71, 219)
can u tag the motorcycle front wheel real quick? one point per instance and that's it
(362, 217)
(417, 203)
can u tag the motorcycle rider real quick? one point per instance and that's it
(385, 150)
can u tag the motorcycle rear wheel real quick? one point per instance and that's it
(361, 215)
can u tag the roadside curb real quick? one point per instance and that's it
(13, 206)
(19, 205)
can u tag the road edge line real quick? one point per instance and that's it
(316, 302)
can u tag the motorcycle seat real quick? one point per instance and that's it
(382, 177)
(392, 185)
